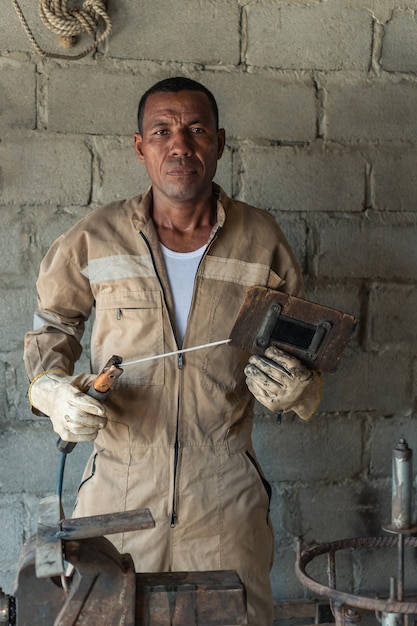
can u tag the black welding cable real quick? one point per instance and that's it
(61, 469)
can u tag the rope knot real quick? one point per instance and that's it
(70, 22)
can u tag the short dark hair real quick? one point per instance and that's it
(173, 85)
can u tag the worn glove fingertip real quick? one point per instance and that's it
(272, 352)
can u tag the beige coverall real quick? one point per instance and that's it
(178, 438)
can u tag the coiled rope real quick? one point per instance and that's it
(68, 24)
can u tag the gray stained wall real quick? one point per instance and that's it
(319, 100)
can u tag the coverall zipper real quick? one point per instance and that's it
(176, 444)
(180, 364)
(173, 522)
(176, 449)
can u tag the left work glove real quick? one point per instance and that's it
(281, 382)
(75, 416)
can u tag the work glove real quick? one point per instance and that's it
(75, 416)
(280, 382)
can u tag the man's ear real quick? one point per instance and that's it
(221, 139)
(138, 140)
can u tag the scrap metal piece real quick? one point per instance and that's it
(106, 524)
(315, 334)
(52, 531)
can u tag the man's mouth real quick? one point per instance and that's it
(180, 168)
(181, 171)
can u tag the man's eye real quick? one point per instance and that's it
(161, 131)
(197, 130)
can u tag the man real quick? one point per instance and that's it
(165, 270)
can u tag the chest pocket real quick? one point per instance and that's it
(130, 325)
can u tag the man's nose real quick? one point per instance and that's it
(181, 143)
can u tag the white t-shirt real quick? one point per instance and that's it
(182, 268)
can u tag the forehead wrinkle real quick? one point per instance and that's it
(166, 119)
(158, 122)
(162, 117)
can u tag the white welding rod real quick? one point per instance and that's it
(162, 356)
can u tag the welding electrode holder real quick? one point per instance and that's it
(99, 390)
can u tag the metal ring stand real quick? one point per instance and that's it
(393, 611)
(342, 602)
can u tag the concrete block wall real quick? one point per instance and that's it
(319, 100)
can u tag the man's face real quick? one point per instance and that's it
(180, 145)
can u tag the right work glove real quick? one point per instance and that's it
(281, 382)
(75, 416)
